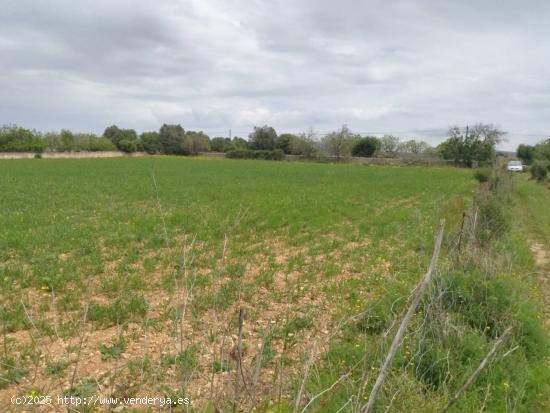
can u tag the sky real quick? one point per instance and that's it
(410, 68)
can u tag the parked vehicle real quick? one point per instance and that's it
(515, 166)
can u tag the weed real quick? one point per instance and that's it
(11, 371)
(56, 368)
(113, 350)
(119, 311)
(85, 388)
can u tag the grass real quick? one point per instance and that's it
(88, 255)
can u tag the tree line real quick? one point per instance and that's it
(468, 146)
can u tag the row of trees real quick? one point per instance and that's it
(17, 139)
(170, 139)
(341, 143)
(468, 146)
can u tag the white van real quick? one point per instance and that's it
(515, 166)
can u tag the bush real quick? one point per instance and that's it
(366, 147)
(17, 139)
(220, 144)
(239, 154)
(526, 153)
(94, 143)
(482, 175)
(117, 136)
(492, 220)
(539, 170)
(127, 146)
(274, 155)
(284, 141)
(150, 142)
(303, 145)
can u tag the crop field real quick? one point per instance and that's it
(148, 276)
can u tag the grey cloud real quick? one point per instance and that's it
(409, 66)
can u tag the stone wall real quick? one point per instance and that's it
(69, 155)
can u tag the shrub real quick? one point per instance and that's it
(539, 170)
(150, 142)
(482, 175)
(284, 142)
(117, 136)
(220, 144)
(127, 146)
(303, 144)
(492, 221)
(96, 144)
(526, 153)
(366, 147)
(238, 154)
(17, 139)
(274, 155)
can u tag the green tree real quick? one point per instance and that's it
(99, 143)
(389, 145)
(172, 140)
(67, 140)
(53, 142)
(340, 142)
(471, 145)
(239, 143)
(196, 142)
(16, 139)
(263, 138)
(412, 146)
(127, 146)
(303, 144)
(219, 144)
(526, 153)
(284, 142)
(542, 150)
(116, 135)
(366, 147)
(150, 142)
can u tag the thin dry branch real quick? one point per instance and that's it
(306, 376)
(477, 372)
(238, 361)
(258, 367)
(81, 342)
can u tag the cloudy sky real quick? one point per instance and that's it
(406, 67)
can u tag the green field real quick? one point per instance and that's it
(125, 277)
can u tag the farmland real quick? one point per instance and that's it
(127, 276)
